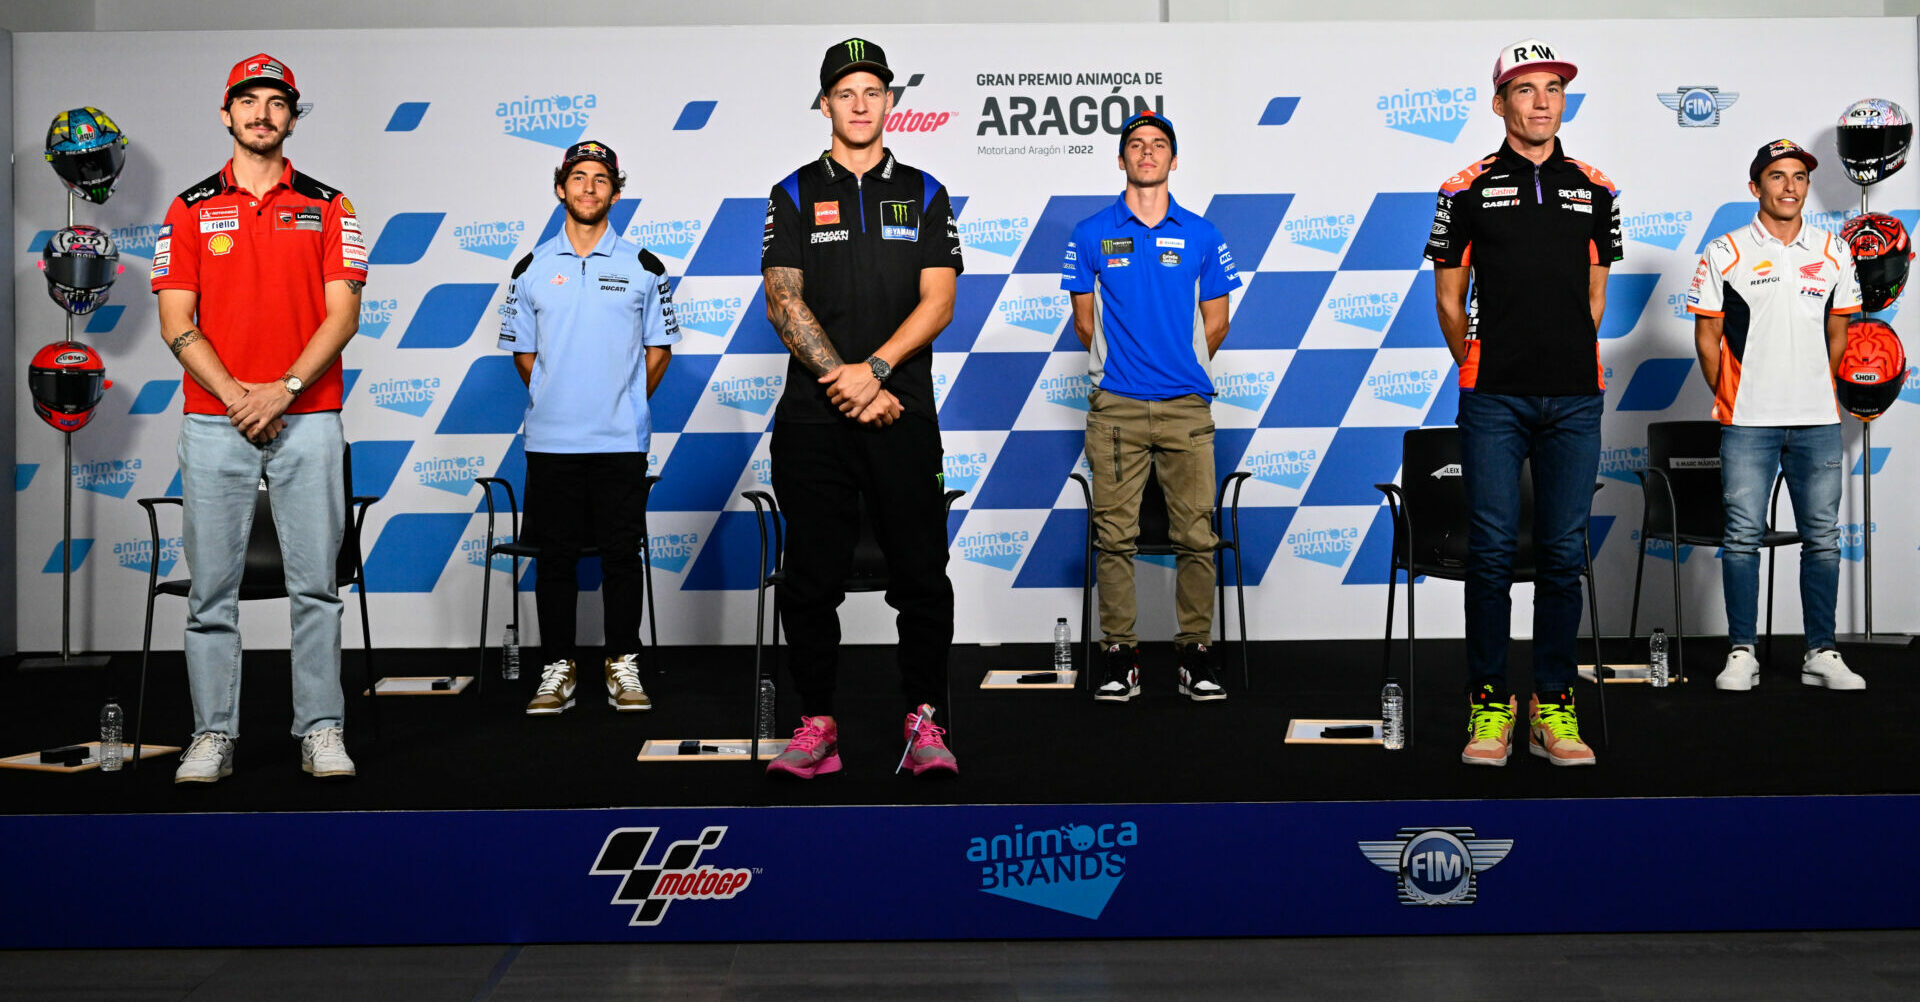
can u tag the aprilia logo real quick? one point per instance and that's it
(677, 877)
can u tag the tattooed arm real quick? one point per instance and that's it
(789, 314)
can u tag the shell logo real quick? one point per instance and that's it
(221, 243)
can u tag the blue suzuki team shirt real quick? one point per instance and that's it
(1149, 342)
(588, 322)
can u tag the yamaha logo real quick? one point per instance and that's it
(1437, 866)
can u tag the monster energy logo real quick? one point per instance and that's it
(897, 222)
(897, 213)
(856, 50)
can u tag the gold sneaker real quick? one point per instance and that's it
(555, 695)
(624, 692)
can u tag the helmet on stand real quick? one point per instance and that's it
(1880, 255)
(1873, 138)
(81, 264)
(87, 150)
(66, 379)
(1872, 369)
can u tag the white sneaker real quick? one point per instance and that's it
(1825, 668)
(1741, 673)
(208, 759)
(323, 752)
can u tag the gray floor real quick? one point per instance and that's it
(1817, 965)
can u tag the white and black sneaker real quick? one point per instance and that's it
(1121, 676)
(1199, 679)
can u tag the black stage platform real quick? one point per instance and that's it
(480, 752)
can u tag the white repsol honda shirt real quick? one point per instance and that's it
(1774, 300)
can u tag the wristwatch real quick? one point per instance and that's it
(293, 383)
(881, 370)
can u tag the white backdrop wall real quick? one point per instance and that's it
(1316, 148)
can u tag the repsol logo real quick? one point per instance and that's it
(747, 393)
(1407, 387)
(112, 477)
(139, 554)
(494, 239)
(1285, 467)
(1661, 229)
(674, 238)
(553, 119)
(1042, 314)
(453, 474)
(1079, 115)
(1324, 546)
(408, 396)
(1000, 236)
(1068, 390)
(1439, 113)
(995, 549)
(1324, 233)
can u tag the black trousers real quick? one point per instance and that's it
(824, 475)
(575, 500)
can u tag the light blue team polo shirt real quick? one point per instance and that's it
(1149, 342)
(589, 322)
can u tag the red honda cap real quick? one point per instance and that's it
(258, 70)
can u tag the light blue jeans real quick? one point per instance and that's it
(1810, 456)
(220, 472)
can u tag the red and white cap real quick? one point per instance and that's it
(259, 70)
(1530, 56)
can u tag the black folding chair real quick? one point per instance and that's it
(868, 574)
(264, 577)
(518, 551)
(1683, 503)
(1156, 539)
(1430, 517)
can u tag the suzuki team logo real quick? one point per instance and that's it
(408, 396)
(1245, 390)
(1040, 314)
(1661, 229)
(677, 877)
(1001, 550)
(674, 238)
(1073, 868)
(555, 120)
(1439, 113)
(1699, 107)
(1322, 233)
(494, 239)
(1437, 866)
(1000, 236)
(709, 316)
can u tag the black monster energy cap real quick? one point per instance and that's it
(853, 56)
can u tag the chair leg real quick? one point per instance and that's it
(1600, 671)
(1639, 573)
(1386, 648)
(1772, 551)
(653, 615)
(1675, 643)
(140, 704)
(1407, 686)
(366, 652)
(759, 634)
(486, 596)
(1240, 595)
(1086, 611)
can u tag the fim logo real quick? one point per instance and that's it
(1069, 390)
(1322, 233)
(965, 469)
(1041, 314)
(1437, 866)
(1286, 467)
(1661, 229)
(996, 236)
(376, 315)
(652, 889)
(473, 550)
(138, 555)
(496, 239)
(748, 393)
(674, 238)
(1371, 310)
(453, 474)
(1245, 390)
(112, 477)
(1325, 546)
(556, 119)
(709, 316)
(1698, 107)
(1072, 868)
(1439, 113)
(1409, 388)
(408, 396)
(671, 550)
(995, 549)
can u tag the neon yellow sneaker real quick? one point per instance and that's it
(1556, 730)
(1490, 728)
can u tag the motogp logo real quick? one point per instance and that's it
(678, 876)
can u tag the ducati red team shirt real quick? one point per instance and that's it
(260, 267)
(1530, 233)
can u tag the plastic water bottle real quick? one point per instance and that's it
(767, 695)
(1062, 645)
(1393, 717)
(510, 654)
(1657, 671)
(112, 728)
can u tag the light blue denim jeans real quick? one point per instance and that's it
(1810, 456)
(220, 472)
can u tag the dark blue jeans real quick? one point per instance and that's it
(1498, 433)
(1749, 458)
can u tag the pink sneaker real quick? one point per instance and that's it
(925, 749)
(814, 750)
